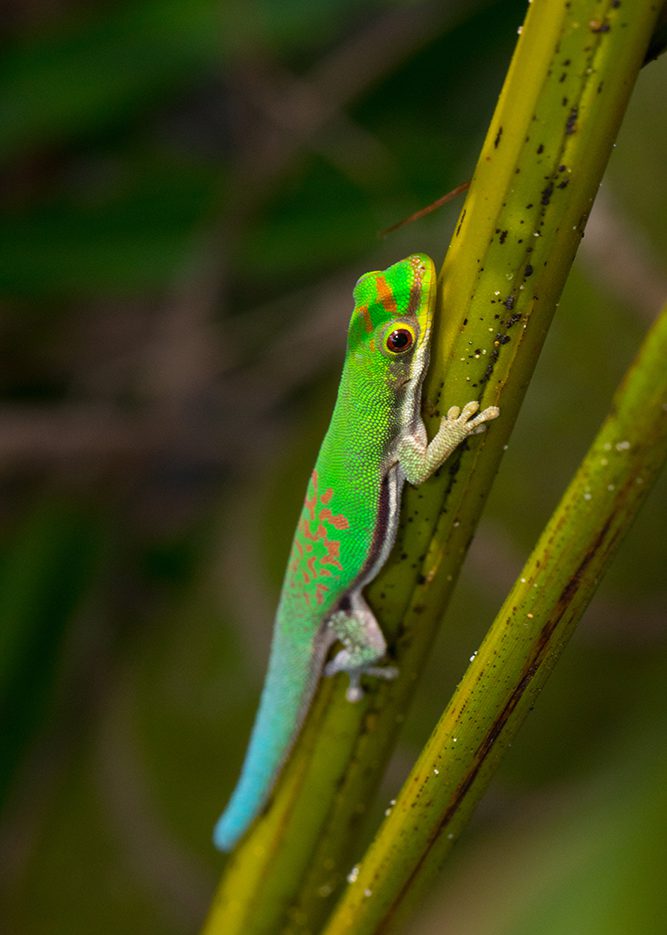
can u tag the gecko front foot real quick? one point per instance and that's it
(462, 418)
(419, 459)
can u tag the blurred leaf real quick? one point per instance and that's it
(83, 77)
(45, 572)
(602, 869)
(131, 234)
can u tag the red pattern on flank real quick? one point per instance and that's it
(315, 555)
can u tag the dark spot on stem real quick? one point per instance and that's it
(546, 194)
(571, 124)
(598, 27)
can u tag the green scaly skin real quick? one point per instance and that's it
(376, 440)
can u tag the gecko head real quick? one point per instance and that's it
(391, 322)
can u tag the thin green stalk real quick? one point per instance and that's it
(518, 653)
(539, 170)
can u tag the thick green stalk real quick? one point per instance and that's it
(519, 651)
(535, 182)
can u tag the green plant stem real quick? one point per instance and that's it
(539, 170)
(519, 651)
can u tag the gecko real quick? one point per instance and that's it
(376, 441)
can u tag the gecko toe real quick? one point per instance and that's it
(469, 410)
(354, 693)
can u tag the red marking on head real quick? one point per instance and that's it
(326, 496)
(419, 270)
(415, 298)
(419, 267)
(366, 315)
(386, 296)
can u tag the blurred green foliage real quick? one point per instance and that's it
(190, 191)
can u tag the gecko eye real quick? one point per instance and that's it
(399, 340)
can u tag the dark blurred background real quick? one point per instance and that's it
(190, 191)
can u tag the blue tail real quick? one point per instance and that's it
(290, 684)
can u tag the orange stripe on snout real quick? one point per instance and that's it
(416, 287)
(368, 324)
(415, 297)
(386, 296)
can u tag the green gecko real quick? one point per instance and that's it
(375, 442)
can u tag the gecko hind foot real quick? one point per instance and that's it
(355, 692)
(363, 649)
